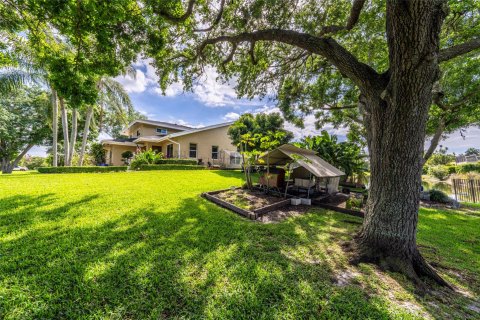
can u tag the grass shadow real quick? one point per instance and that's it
(194, 261)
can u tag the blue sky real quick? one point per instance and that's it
(213, 102)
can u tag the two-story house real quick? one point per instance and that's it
(209, 145)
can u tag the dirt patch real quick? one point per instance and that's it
(248, 199)
(283, 213)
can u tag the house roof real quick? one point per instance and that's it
(179, 134)
(215, 126)
(287, 153)
(167, 125)
(119, 142)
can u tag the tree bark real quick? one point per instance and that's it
(66, 144)
(86, 131)
(395, 121)
(73, 137)
(8, 165)
(54, 128)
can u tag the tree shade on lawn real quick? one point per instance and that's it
(389, 52)
(123, 245)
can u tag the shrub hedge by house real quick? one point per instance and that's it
(177, 161)
(469, 167)
(170, 167)
(81, 169)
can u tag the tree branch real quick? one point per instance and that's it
(360, 73)
(350, 106)
(458, 50)
(21, 155)
(182, 18)
(357, 7)
(435, 139)
(216, 21)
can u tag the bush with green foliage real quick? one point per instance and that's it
(170, 167)
(126, 156)
(145, 158)
(177, 161)
(439, 196)
(81, 169)
(34, 162)
(354, 203)
(441, 158)
(452, 169)
(469, 167)
(440, 172)
(97, 152)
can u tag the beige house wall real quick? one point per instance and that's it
(181, 145)
(114, 154)
(147, 130)
(205, 140)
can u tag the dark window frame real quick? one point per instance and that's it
(190, 150)
(215, 153)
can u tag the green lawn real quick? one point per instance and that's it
(142, 245)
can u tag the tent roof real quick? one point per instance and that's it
(288, 153)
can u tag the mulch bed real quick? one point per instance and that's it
(248, 199)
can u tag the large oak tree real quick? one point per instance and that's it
(319, 55)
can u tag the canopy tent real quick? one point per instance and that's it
(303, 162)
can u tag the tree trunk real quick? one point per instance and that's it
(66, 144)
(8, 165)
(395, 121)
(86, 131)
(54, 128)
(73, 137)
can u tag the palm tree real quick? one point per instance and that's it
(24, 72)
(114, 100)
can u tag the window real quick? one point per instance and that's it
(161, 131)
(235, 159)
(215, 152)
(192, 150)
(138, 133)
(170, 151)
(157, 149)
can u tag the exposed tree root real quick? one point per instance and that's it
(411, 265)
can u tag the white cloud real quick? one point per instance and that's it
(231, 116)
(143, 80)
(212, 92)
(172, 90)
(137, 84)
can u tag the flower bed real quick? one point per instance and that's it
(249, 203)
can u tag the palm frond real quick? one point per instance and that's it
(13, 78)
(130, 71)
(114, 99)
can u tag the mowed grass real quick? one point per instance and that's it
(140, 245)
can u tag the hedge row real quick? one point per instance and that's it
(177, 161)
(439, 171)
(147, 167)
(469, 167)
(81, 169)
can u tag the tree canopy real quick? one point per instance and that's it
(23, 124)
(259, 124)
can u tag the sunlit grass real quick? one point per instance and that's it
(146, 245)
